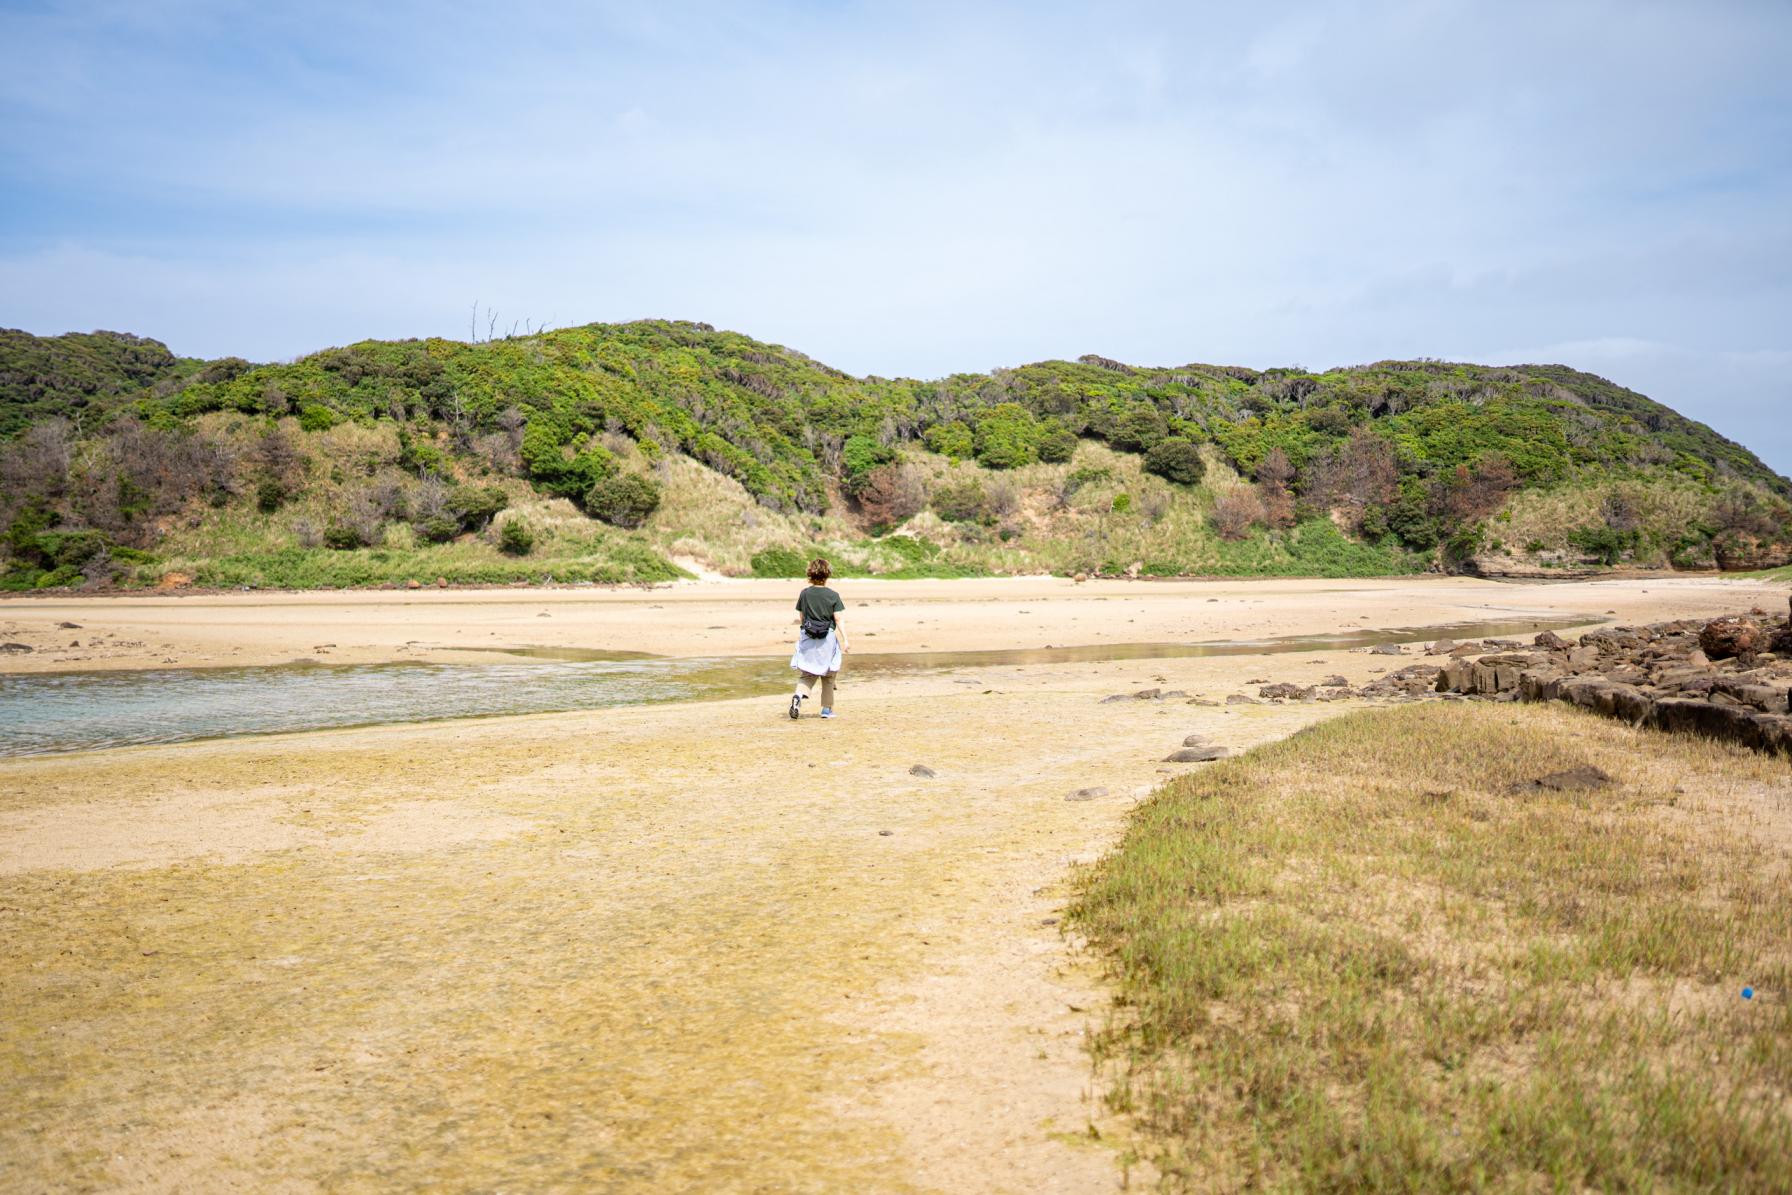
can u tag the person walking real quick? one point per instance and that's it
(820, 640)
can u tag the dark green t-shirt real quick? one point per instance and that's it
(818, 601)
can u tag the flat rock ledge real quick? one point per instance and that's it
(1727, 678)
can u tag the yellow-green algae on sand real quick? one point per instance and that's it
(693, 946)
(603, 991)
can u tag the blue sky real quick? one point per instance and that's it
(917, 189)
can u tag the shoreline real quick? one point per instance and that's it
(725, 618)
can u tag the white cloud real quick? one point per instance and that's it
(923, 189)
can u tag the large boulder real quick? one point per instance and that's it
(1734, 635)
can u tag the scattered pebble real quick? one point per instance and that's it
(920, 769)
(1087, 794)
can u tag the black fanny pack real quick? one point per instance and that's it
(817, 628)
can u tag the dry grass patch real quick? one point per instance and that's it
(1358, 959)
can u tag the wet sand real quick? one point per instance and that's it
(692, 946)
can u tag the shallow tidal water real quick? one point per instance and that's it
(49, 713)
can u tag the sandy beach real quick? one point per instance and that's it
(733, 618)
(684, 946)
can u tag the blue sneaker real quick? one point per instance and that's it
(826, 712)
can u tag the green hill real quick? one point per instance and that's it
(607, 452)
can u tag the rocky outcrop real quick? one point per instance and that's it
(1742, 552)
(1288, 692)
(1415, 680)
(1513, 568)
(1726, 678)
(1405, 684)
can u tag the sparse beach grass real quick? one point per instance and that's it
(1359, 958)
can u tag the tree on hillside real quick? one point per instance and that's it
(1275, 476)
(1235, 512)
(892, 495)
(1357, 475)
(1471, 494)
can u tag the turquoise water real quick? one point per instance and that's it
(78, 711)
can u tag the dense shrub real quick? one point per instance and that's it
(1007, 437)
(1607, 544)
(556, 466)
(474, 506)
(859, 456)
(342, 537)
(269, 494)
(516, 538)
(1464, 544)
(315, 417)
(1176, 459)
(436, 529)
(421, 456)
(953, 439)
(962, 501)
(625, 500)
(1057, 443)
(1139, 428)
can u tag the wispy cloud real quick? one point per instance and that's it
(917, 189)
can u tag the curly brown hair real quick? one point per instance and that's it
(820, 570)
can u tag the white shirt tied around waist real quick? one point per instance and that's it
(817, 657)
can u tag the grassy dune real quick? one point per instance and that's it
(1358, 959)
